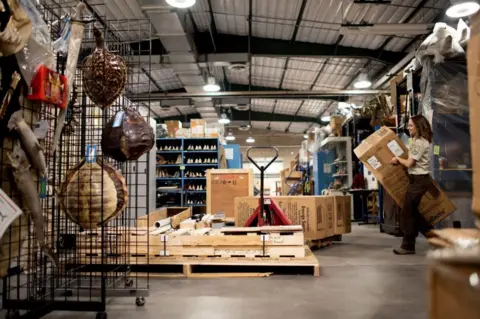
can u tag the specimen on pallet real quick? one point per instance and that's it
(127, 136)
(89, 187)
(104, 74)
(28, 188)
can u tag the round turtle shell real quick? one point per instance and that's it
(127, 136)
(104, 74)
(86, 188)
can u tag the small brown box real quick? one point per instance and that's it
(172, 127)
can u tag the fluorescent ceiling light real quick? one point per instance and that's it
(462, 9)
(250, 140)
(211, 86)
(387, 29)
(325, 118)
(224, 119)
(181, 3)
(362, 82)
(230, 137)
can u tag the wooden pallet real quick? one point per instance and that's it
(192, 267)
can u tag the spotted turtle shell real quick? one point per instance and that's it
(129, 139)
(86, 188)
(104, 74)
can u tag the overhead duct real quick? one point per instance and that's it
(181, 50)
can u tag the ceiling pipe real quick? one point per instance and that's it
(255, 94)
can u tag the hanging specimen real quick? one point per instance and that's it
(89, 186)
(104, 74)
(127, 136)
(28, 189)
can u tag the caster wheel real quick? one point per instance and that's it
(140, 301)
(12, 314)
(128, 283)
(101, 315)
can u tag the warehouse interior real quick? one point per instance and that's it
(239, 158)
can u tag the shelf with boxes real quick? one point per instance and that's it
(181, 170)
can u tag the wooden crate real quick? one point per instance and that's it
(250, 242)
(223, 185)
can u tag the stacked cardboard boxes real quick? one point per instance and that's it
(316, 214)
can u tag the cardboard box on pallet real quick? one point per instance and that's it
(376, 152)
(314, 213)
(473, 64)
(343, 214)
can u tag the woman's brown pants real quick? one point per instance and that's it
(411, 221)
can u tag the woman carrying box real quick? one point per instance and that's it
(418, 164)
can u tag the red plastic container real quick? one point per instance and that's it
(50, 87)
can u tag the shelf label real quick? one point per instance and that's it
(436, 150)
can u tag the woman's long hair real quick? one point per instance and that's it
(423, 127)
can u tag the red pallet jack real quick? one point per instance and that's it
(268, 213)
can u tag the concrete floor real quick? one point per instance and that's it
(361, 279)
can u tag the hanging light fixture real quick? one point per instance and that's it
(230, 136)
(250, 139)
(224, 119)
(460, 9)
(362, 82)
(305, 135)
(325, 118)
(211, 85)
(181, 3)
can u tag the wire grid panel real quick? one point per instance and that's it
(96, 262)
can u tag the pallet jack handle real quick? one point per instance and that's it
(262, 169)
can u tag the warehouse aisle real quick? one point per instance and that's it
(361, 279)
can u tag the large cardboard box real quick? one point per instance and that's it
(314, 213)
(197, 127)
(473, 64)
(342, 215)
(451, 294)
(376, 152)
(172, 127)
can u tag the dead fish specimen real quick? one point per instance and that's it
(92, 194)
(30, 142)
(28, 189)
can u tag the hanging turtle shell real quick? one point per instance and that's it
(127, 136)
(104, 74)
(86, 187)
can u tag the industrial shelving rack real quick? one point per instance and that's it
(181, 170)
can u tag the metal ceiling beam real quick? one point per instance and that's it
(247, 116)
(286, 94)
(292, 40)
(228, 43)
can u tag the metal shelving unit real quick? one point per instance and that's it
(182, 195)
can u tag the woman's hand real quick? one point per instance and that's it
(394, 161)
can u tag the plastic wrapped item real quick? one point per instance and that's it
(320, 134)
(445, 104)
(444, 42)
(61, 44)
(37, 50)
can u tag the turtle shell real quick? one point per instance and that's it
(127, 136)
(104, 74)
(89, 186)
